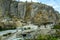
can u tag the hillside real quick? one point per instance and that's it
(36, 13)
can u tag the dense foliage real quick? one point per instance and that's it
(46, 37)
(56, 27)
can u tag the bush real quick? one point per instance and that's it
(46, 37)
(56, 27)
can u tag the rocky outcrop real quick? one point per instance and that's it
(37, 13)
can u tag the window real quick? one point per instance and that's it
(29, 28)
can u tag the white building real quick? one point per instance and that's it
(28, 28)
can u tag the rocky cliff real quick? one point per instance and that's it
(36, 13)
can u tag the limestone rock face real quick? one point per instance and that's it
(37, 13)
